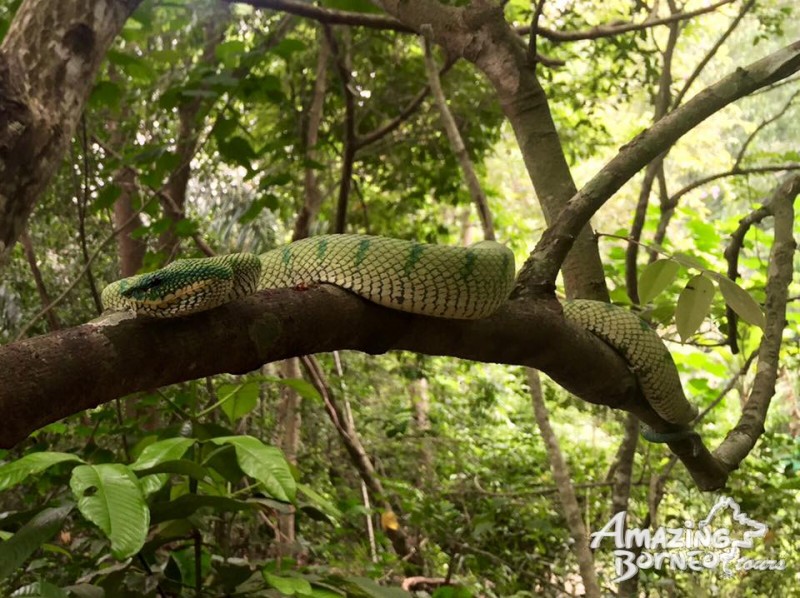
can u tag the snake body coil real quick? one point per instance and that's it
(433, 280)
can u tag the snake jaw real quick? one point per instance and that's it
(200, 295)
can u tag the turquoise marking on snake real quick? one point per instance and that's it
(363, 248)
(469, 264)
(414, 255)
(322, 248)
(432, 280)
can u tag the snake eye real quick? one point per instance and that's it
(155, 281)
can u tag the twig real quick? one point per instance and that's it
(619, 28)
(762, 125)
(457, 144)
(541, 269)
(731, 254)
(349, 149)
(711, 53)
(743, 437)
(77, 279)
(30, 255)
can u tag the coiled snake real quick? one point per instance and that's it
(433, 280)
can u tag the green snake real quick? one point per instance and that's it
(432, 280)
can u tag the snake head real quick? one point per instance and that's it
(185, 286)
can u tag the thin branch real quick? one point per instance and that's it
(566, 492)
(389, 126)
(83, 203)
(349, 150)
(619, 28)
(532, 39)
(762, 125)
(30, 255)
(711, 53)
(457, 144)
(329, 16)
(381, 21)
(660, 107)
(312, 196)
(673, 200)
(732, 257)
(80, 275)
(541, 269)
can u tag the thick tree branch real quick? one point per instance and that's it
(45, 378)
(543, 266)
(48, 62)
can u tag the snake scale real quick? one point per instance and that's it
(433, 280)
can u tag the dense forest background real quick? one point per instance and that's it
(205, 127)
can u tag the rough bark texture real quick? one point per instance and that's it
(48, 63)
(45, 378)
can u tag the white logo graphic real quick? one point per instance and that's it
(686, 548)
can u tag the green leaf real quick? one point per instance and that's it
(106, 197)
(109, 495)
(288, 586)
(179, 466)
(363, 586)
(740, 301)
(302, 387)
(230, 51)
(237, 400)
(266, 464)
(237, 150)
(655, 278)
(135, 67)
(187, 504)
(168, 449)
(320, 501)
(106, 93)
(693, 305)
(704, 234)
(85, 590)
(43, 526)
(40, 589)
(15, 472)
(287, 47)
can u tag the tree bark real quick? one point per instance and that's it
(48, 63)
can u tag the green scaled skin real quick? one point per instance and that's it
(185, 286)
(464, 283)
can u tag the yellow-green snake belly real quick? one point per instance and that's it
(432, 280)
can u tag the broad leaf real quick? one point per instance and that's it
(288, 586)
(693, 305)
(15, 472)
(655, 278)
(187, 504)
(169, 449)
(237, 400)
(110, 496)
(741, 301)
(43, 526)
(266, 464)
(40, 589)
